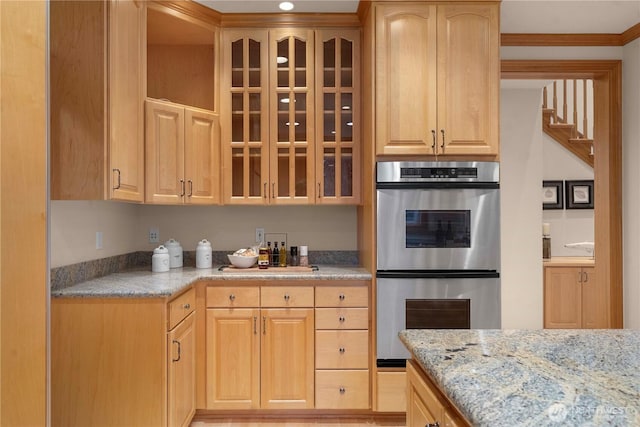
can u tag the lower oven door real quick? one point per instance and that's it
(421, 303)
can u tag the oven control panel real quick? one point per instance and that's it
(420, 172)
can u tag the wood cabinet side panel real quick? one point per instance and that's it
(108, 362)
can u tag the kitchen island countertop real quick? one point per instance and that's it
(534, 377)
(140, 283)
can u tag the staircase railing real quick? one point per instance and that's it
(569, 118)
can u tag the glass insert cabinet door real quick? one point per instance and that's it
(338, 110)
(291, 60)
(244, 113)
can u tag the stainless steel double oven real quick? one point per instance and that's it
(438, 250)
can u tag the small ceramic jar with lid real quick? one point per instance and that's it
(175, 253)
(160, 260)
(203, 254)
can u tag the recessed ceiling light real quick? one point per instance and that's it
(286, 6)
(281, 60)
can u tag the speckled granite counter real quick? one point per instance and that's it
(535, 378)
(145, 284)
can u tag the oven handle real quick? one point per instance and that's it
(437, 185)
(437, 274)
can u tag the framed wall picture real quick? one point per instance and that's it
(552, 195)
(579, 194)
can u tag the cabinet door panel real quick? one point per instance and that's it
(233, 358)
(182, 373)
(202, 157)
(287, 371)
(562, 298)
(165, 153)
(468, 79)
(594, 310)
(127, 70)
(405, 79)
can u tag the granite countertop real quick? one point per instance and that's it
(139, 283)
(535, 377)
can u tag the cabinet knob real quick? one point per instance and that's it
(341, 350)
(286, 297)
(232, 297)
(341, 297)
(343, 390)
(187, 306)
(341, 319)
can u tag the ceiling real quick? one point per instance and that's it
(517, 16)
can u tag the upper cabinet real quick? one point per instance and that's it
(437, 75)
(287, 116)
(337, 113)
(97, 73)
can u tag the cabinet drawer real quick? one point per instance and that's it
(342, 318)
(342, 349)
(233, 296)
(286, 296)
(342, 389)
(181, 306)
(342, 296)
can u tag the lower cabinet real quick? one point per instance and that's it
(572, 298)
(260, 347)
(425, 405)
(287, 346)
(123, 361)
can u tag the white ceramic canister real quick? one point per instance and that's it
(160, 260)
(175, 253)
(203, 254)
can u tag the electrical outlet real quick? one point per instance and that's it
(154, 235)
(259, 234)
(98, 239)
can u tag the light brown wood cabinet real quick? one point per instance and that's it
(342, 346)
(437, 76)
(572, 298)
(97, 91)
(123, 361)
(260, 347)
(281, 87)
(182, 154)
(425, 404)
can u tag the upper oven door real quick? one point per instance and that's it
(438, 229)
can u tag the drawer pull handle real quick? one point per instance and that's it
(187, 306)
(341, 297)
(286, 297)
(255, 325)
(341, 350)
(436, 424)
(341, 319)
(343, 390)
(232, 297)
(264, 325)
(119, 176)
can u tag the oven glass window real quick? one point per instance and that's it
(438, 228)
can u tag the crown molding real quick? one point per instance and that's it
(586, 39)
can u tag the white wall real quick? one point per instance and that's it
(631, 183)
(125, 227)
(567, 225)
(521, 212)
(74, 225)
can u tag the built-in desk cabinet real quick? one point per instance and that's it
(572, 297)
(437, 76)
(97, 67)
(123, 361)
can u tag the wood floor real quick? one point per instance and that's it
(302, 422)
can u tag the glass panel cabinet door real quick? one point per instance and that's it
(337, 113)
(292, 104)
(244, 104)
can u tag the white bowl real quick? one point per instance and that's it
(242, 261)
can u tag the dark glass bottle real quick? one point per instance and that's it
(275, 259)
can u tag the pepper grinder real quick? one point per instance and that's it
(546, 240)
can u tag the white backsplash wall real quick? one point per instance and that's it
(74, 225)
(125, 227)
(233, 227)
(567, 225)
